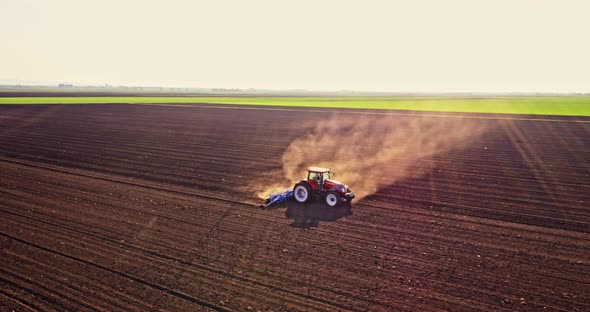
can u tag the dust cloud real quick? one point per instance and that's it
(369, 152)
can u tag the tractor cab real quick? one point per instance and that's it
(318, 175)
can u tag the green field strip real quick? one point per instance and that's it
(559, 106)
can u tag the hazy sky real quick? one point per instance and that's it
(451, 45)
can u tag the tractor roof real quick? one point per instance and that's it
(318, 169)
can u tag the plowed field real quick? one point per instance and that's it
(138, 208)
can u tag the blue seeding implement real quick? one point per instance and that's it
(279, 197)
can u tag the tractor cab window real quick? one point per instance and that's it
(314, 176)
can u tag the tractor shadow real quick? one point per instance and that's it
(311, 214)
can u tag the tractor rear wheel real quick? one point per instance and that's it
(332, 199)
(302, 193)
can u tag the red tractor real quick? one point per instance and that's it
(318, 185)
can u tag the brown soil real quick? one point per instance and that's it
(134, 207)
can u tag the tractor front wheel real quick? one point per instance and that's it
(302, 193)
(332, 199)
